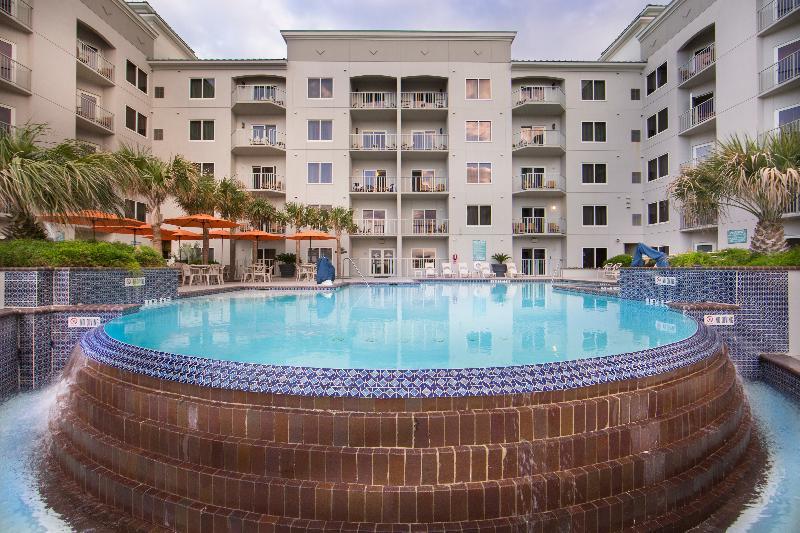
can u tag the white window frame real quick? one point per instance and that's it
(594, 124)
(658, 168)
(13, 113)
(699, 244)
(136, 121)
(595, 206)
(320, 163)
(594, 164)
(711, 144)
(774, 51)
(14, 47)
(200, 166)
(202, 85)
(320, 120)
(201, 120)
(775, 114)
(479, 163)
(605, 91)
(478, 225)
(320, 97)
(479, 130)
(491, 93)
(658, 213)
(655, 72)
(594, 254)
(140, 71)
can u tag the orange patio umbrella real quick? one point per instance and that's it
(179, 235)
(94, 219)
(310, 234)
(204, 222)
(256, 235)
(145, 230)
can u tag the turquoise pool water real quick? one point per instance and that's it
(430, 325)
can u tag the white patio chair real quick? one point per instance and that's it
(463, 270)
(486, 270)
(430, 270)
(215, 274)
(511, 270)
(447, 270)
(189, 274)
(262, 272)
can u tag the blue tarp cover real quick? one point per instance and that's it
(325, 270)
(642, 249)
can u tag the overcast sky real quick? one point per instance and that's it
(547, 29)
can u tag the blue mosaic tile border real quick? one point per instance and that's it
(424, 383)
(9, 366)
(780, 378)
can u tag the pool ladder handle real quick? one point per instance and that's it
(352, 264)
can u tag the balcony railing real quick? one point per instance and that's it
(688, 165)
(379, 227)
(697, 115)
(273, 138)
(689, 223)
(253, 94)
(789, 127)
(267, 182)
(537, 95)
(373, 141)
(775, 11)
(427, 226)
(698, 63)
(15, 72)
(538, 226)
(424, 184)
(425, 142)
(18, 10)
(92, 58)
(423, 100)
(538, 138)
(792, 207)
(538, 181)
(373, 100)
(88, 109)
(373, 184)
(780, 73)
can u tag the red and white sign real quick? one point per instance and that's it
(83, 321)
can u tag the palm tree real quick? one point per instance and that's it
(759, 177)
(262, 213)
(297, 215)
(68, 176)
(340, 220)
(156, 180)
(232, 200)
(199, 196)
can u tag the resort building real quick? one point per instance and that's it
(446, 148)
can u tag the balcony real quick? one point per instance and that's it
(373, 145)
(370, 227)
(428, 185)
(424, 143)
(14, 76)
(538, 142)
(781, 76)
(789, 127)
(700, 118)
(270, 184)
(258, 100)
(93, 65)
(90, 116)
(538, 100)
(539, 226)
(792, 208)
(698, 223)
(373, 185)
(699, 69)
(258, 142)
(17, 14)
(419, 227)
(537, 183)
(424, 104)
(777, 14)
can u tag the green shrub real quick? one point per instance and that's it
(38, 253)
(625, 259)
(737, 257)
(287, 258)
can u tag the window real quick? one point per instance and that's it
(636, 94)
(479, 131)
(479, 89)
(424, 221)
(136, 210)
(479, 215)
(205, 168)
(594, 257)
(636, 136)
(135, 121)
(658, 212)
(593, 90)
(636, 177)
(593, 132)
(158, 92)
(320, 173)
(315, 253)
(663, 249)
(657, 123)
(320, 130)
(136, 76)
(657, 78)
(420, 256)
(636, 219)
(593, 173)
(479, 172)
(658, 167)
(320, 87)
(158, 134)
(704, 247)
(201, 88)
(595, 215)
(201, 130)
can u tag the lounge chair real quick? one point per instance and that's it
(483, 270)
(511, 270)
(463, 270)
(430, 270)
(447, 270)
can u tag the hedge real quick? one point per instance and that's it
(39, 253)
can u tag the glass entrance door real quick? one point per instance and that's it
(381, 261)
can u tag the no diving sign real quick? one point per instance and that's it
(718, 320)
(83, 321)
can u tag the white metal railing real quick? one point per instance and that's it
(697, 115)
(539, 181)
(774, 11)
(792, 207)
(789, 127)
(5, 127)
(87, 108)
(534, 267)
(18, 10)
(246, 94)
(15, 72)
(426, 226)
(414, 267)
(697, 222)
(95, 60)
(538, 226)
(267, 182)
(431, 267)
(688, 165)
(538, 94)
(373, 100)
(424, 184)
(273, 138)
(423, 100)
(373, 266)
(373, 184)
(426, 142)
(698, 63)
(540, 138)
(371, 226)
(373, 141)
(777, 74)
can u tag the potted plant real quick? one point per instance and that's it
(500, 267)
(286, 264)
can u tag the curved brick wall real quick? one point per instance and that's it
(648, 452)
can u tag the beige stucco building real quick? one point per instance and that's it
(445, 147)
